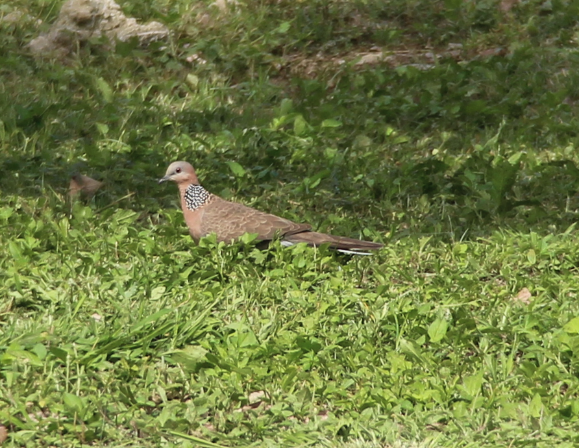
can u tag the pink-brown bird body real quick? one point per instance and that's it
(79, 183)
(206, 213)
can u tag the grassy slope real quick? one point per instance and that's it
(115, 329)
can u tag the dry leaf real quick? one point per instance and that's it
(223, 5)
(254, 402)
(523, 296)
(371, 59)
(3, 434)
(209, 427)
(507, 5)
(499, 51)
(256, 396)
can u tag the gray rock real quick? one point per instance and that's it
(81, 20)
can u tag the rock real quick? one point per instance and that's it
(81, 20)
(12, 17)
(16, 18)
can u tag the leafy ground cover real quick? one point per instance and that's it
(116, 330)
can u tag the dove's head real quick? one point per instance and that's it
(181, 173)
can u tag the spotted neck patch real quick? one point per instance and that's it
(195, 196)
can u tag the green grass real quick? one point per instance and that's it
(117, 330)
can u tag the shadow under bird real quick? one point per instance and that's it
(206, 213)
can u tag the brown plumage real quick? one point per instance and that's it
(79, 183)
(206, 213)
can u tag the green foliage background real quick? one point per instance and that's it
(115, 329)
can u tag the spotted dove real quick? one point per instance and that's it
(206, 213)
(79, 183)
